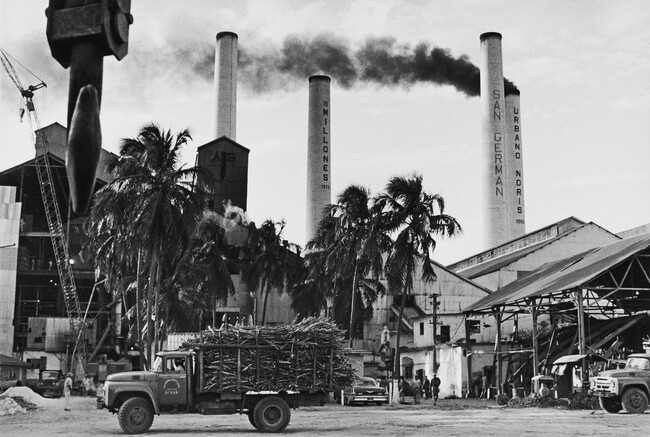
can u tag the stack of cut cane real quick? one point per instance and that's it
(306, 356)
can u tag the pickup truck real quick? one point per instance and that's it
(189, 381)
(627, 388)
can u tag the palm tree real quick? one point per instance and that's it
(417, 217)
(271, 261)
(207, 279)
(151, 204)
(352, 241)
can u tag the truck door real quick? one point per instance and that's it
(172, 383)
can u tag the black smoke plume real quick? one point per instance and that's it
(381, 61)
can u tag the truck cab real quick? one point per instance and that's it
(169, 386)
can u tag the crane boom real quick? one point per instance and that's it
(51, 205)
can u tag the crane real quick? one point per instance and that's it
(50, 203)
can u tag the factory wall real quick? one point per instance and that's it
(54, 138)
(9, 234)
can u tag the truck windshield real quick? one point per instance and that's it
(157, 365)
(638, 364)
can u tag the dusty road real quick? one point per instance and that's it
(450, 418)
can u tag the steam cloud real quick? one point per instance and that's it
(381, 61)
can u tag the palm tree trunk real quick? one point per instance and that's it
(138, 310)
(265, 290)
(352, 299)
(396, 364)
(150, 302)
(151, 293)
(158, 320)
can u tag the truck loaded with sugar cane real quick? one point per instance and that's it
(262, 372)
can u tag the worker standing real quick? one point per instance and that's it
(67, 389)
(435, 388)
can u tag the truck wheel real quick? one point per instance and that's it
(251, 419)
(272, 414)
(135, 416)
(634, 400)
(611, 405)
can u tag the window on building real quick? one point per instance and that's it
(474, 326)
(445, 334)
(421, 328)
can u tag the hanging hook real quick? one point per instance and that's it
(80, 33)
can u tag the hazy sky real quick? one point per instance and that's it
(583, 68)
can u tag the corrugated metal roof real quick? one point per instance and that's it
(562, 226)
(564, 274)
(499, 262)
(6, 360)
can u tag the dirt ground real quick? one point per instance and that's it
(466, 417)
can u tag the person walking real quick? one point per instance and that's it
(404, 389)
(67, 389)
(427, 388)
(435, 383)
(417, 390)
(484, 386)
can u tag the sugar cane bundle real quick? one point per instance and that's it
(304, 356)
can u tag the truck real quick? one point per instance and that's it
(50, 383)
(263, 379)
(627, 388)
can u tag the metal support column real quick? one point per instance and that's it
(497, 347)
(534, 311)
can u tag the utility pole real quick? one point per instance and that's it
(434, 323)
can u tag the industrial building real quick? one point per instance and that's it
(34, 324)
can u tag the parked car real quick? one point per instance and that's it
(50, 383)
(365, 391)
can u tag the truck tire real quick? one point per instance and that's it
(611, 405)
(271, 414)
(251, 419)
(634, 401)
(135, 415)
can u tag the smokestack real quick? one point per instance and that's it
(225, 85)
(515, 169)
(318, 152)
(495, 211)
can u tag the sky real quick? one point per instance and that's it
(582, 67)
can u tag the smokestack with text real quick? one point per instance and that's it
(225, 85)
(319, 168)
(495, 211)
(515, 168)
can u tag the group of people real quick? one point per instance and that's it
(419, 387)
